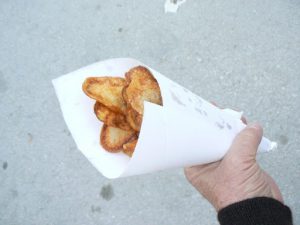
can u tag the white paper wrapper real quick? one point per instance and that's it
(171, 6)
(185, 131)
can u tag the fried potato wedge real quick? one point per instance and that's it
(110, 117)
(112, 139)
(129, 147)
(134, 119)
(106, 90)
(141, 86)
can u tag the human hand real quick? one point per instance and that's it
(237, 176)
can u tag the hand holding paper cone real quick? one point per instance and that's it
(185, 131)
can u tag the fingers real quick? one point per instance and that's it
(247, 141)
(244, 120)
(214, 103)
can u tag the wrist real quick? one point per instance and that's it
(233, 196)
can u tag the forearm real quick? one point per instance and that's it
(256, 211)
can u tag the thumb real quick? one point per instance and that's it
(247, 141)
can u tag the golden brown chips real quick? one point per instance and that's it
(129, 147)
(106, 90)
(141, 86)
(134, 119)
(120, 106)
(113, 139)
(110, 117)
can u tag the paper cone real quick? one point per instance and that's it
(185, 131)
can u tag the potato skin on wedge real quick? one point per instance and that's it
(106, 90)
(112, 139)
(134, 119)
(141, 86)
(128, 148)
(110, 117)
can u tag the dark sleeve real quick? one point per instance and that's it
(256, 211)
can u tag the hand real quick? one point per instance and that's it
(237, 176)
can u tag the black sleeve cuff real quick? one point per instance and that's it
(256, 211)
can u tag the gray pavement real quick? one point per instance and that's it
(241, 54)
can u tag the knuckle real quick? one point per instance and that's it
(251, 134)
